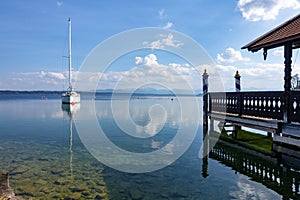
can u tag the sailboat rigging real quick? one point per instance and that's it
(70, 96)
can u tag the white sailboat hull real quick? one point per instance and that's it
(70, 98)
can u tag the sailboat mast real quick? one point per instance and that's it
(70, 56)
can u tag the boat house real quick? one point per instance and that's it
(276, 112)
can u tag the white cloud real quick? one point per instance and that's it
(168, 25)
(154, 45)
(149, 70)
(36, 80)
(230, 56)
(59, 3)
(228, 68)
(165, 41)
(170, 41)
(56, 75)
(255, 75)
(278, 52)
(150, 60)
(138, 60)
(256, 10)
(161, 13)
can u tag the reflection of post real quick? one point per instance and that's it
(205, 125)
(4, 183)
(205, 167)
(71, 144)
(205, 101)
(70, 110)
(205, 153)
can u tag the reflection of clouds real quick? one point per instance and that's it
(169, 148)
(155, 144)
(57, 115)
(32, 109)
(146, 117)
(158, 117)
(247, 189)
(99, 131)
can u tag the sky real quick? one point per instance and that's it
(33, 42)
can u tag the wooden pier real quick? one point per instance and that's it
(276, 112)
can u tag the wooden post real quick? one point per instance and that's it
(205, 101)
(288, 51)
(4, 184)
(237, 81)
(5, 190)
(237, 78)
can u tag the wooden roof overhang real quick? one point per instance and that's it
(286, 33)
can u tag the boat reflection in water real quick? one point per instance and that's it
(281, 174)
(71, 109)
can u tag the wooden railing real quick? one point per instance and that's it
(295, 106)
(256, 104)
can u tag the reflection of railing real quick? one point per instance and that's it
(256, 104)
(282, 180)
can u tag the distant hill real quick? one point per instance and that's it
(100, 94)
(152, 91)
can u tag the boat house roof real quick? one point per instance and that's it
(288, 32)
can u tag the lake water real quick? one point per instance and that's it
(48, 160)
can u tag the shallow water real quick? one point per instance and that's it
(46, 161)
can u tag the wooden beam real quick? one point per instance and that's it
(260, 124)
(286, 140)
(291, 130)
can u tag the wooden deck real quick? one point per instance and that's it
(265, 111)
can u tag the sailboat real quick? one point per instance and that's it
(70, 96)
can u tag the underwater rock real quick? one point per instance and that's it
(164, 195)
(100, 182)
(46, 190)
(60, 181)
(75, 195)
(36, 175)
(57, 171)
(41, 182)
(136, 194)
(101, 196)
(19, 170)
(79, 188)
(44, 159)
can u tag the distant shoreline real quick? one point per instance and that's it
(108, 93)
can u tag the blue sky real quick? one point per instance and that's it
(33, 38)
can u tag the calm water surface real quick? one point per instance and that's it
(47, 160)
